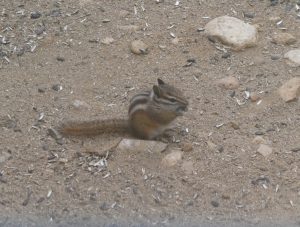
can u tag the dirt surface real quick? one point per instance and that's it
(50, 61)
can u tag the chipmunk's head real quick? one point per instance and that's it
(169, 98)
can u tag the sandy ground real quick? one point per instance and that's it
(49, 62)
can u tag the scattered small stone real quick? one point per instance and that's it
(226, 55)
(172, 159)
(229, 82)
(296, 149)
(188, 167)
(225, 196)
(261, 180)
(134, 145)
(54, 134)
(26, 201)
(275, 19)
(104, 206)
(293, 57)
(7, 122)
(78, 104)
(107, 40)
(264, 150)
(259, 140)
(254, 97)
(283, 38)
(40, 30)
(259, 133)
(4, 156)
(234, 125)
(275, 57)
(232, 31)
(290, 91)
(249, 15)
(138, 47)
(215, 203)
(124, 13)
(274, 2)
(214, 147)
(94, 40)
(57, 87)
(175, 41)
(59, 58)
(105, 20)
(186, 147)
(35, 15)
(41, 90)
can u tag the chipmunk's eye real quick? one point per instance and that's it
(172, 100)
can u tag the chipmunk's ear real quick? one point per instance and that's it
(160, 81)
(156, 90)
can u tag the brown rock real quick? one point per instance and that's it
(138, 47)
(229, 82)
(290, 91)
(283, 38)
(254, 97)
(186, 147)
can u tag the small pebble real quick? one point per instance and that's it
(254, 97)
(41, 90)
(107, 40)
(35, 15)
(275, 57)
(229, 82)
(172, 159)
(105, 20)
(54, 134)
(59, 58)
(296, 149)
(57, 87)
(104, 206)
(226, 55)
(215, 203)
(264, 150)
(187, 147)
(138, 47)
(249, 15)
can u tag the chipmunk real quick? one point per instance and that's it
(149, 115)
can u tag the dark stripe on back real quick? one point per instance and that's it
(140, 100)
(146, 93)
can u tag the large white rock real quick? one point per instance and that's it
(232, 31)
(293, 57)
(290, 90)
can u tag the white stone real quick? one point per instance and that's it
(293, 57)
(264, 150)
(290, 91)
(134, 145)
(78, 104)
(107, 40)
(232, 31)
(172, 158)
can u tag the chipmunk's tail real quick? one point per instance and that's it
(93, 127)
